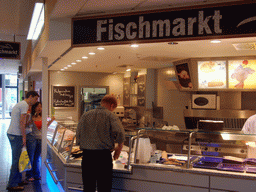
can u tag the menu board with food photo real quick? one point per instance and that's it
(242, 74)
(184, 76)
(212, 74)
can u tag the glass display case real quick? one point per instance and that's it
(63, 140)
(51, 131)
(226, 150)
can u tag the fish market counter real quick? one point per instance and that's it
(154, 177)
(150, 163)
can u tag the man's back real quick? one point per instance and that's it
(18, 109)
(98, 129)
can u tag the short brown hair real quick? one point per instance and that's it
(109, 99)
(33, 93)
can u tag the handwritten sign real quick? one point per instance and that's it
(63, 96)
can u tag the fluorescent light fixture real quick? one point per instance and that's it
(65, 67)
(100, 48)
(215, 41)
(84, 57)
(37, 22)
(62, 69)
(134, 45)
(78, 60)
(128, 69)
(91, 53)
(73, 63)
(69, 65)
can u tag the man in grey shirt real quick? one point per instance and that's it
(17, 137)
(97, 132)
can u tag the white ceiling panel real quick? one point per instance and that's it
(153, 55)
(108, 5)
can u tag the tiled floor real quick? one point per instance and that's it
(5, 164)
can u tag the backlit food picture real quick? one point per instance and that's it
(184, 76)
(242, 74)
(212, 74)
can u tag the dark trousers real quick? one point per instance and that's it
(97, 168)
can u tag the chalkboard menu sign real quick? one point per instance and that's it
(63, 96)
(141, 90)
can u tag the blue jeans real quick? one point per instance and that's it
(34, 152)
(16, 145)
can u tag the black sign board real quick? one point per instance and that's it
(9, 50)
(63, 96)
(201, 23)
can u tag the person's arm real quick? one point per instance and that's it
(22, 128)
(119, 132)
(118, 150)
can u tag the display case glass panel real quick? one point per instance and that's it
(212, 74)
(67, 142)
(51, 131)
(242, 74)
(59, 136)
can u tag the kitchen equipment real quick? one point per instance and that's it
(119, 111)
(130, 117)
(204, 101)
(210, 125)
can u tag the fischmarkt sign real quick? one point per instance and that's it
(219, 21)
(9, 50)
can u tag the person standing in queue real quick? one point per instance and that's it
(34, 140)
(17, 137)
(97, 132)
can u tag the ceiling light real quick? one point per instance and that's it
(78, 60)
(65, 67)
(128, 69)
(134, 45)
(69, 65)
(84, 57)
(215, 41)
(73, 63)
(37, 22)
(62, 69)
(91, 53)
(100, 48)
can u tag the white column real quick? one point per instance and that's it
(45, 109)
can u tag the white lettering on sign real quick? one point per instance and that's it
(63, 93)
(159, 28)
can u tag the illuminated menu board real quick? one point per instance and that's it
(212, 74)
(242, 74)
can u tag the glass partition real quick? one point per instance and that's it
(223, 150)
